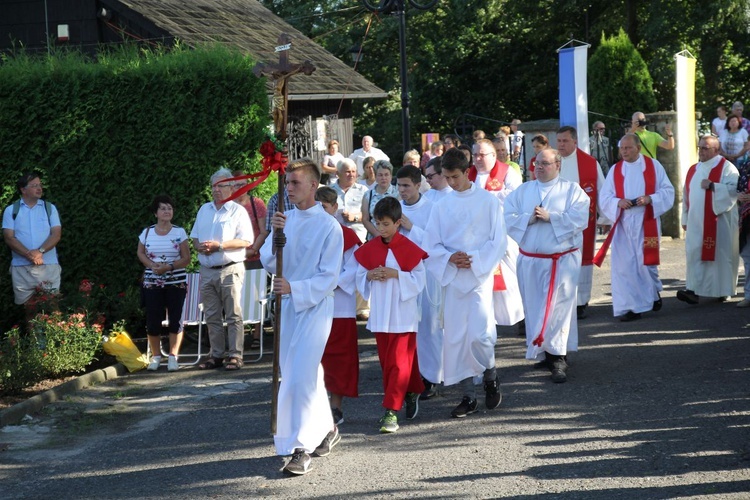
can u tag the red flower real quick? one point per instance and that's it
(85, 286)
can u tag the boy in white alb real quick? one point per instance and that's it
(416, 209)
(466, 241)
(391, 275)
(312, 255)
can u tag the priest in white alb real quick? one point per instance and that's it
(547, 218)
(312, 263)
(636, 193)
(711, 221)
(584, 170)
(465, 241)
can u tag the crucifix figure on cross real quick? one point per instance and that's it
(280, 73)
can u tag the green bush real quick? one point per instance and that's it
(619, 83)
(109, 135)
(57, 344)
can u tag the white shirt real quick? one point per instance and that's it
(32, 228)
(227, 223)
(360, 154)
(351, 201)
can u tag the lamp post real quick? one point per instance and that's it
(398, 7)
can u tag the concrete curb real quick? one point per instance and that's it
(15, 413)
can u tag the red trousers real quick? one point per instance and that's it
(398, 360)
(341, 359)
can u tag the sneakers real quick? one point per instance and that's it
(338, 416)
(389, 422)
(559, 368)
(154, 363)
(300, 464)
(467, 406)
(688, 296)
(430, 390)
(743, 303)
(172, 365)
(492, 394)
(331, 440)
(412, 405)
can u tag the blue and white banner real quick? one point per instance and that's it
(574, 106)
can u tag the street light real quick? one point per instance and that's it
(398, 7)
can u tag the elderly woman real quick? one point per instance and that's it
(164, 251)
(382, 188)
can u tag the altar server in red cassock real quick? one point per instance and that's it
(341, 357)
(390, 273)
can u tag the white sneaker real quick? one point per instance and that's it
(154, 364)
(744, 303)
(172, 365)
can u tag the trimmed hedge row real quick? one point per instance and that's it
(109, 135)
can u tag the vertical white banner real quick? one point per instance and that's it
(574, 106)
(686, 131)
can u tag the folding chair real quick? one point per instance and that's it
(254, 300)
(192, 315)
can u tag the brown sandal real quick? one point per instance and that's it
(210, 364)
(233, 364)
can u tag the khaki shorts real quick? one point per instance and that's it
(27, 278)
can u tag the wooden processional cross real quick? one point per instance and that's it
(281, 73)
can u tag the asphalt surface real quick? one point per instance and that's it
(655, 408)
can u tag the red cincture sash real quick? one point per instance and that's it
(495, 182)
(708, 252)
(587, 178)
(550, 290)
(650, 227)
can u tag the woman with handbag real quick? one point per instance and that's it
(164, 251)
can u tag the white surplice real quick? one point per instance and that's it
(507, 304)
(344, 300)
(312, 262)
(568, 206)
(569, 171)
(717, 278)
(393, 302)
(435, 195)
(430, 329)
(470, 221)
(635, 286)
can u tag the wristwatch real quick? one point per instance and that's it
(41, 250)
(221, 247)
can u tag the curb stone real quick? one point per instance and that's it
(17, 412)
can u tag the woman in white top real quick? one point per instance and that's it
(331, 160)
(382, 188)
(368, 166)
(733, 139)
(164, 251)
(719, 123)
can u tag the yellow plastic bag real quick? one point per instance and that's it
(119, 345)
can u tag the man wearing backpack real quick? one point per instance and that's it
(31, 228)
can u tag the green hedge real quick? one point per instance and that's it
(109, 135)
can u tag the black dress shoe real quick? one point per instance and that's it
(657, 303)
(630, 316)
(581, 311)
(687, 296)
(521, 328)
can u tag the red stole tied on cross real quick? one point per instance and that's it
(650, 227)
(495, 182)
(587, 178)
(373, 253)
(708, 252)
(350, 237)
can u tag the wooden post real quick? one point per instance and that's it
(280, 73)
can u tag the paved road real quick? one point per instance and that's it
(656, 408)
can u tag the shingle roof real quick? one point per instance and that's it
(248, 25)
